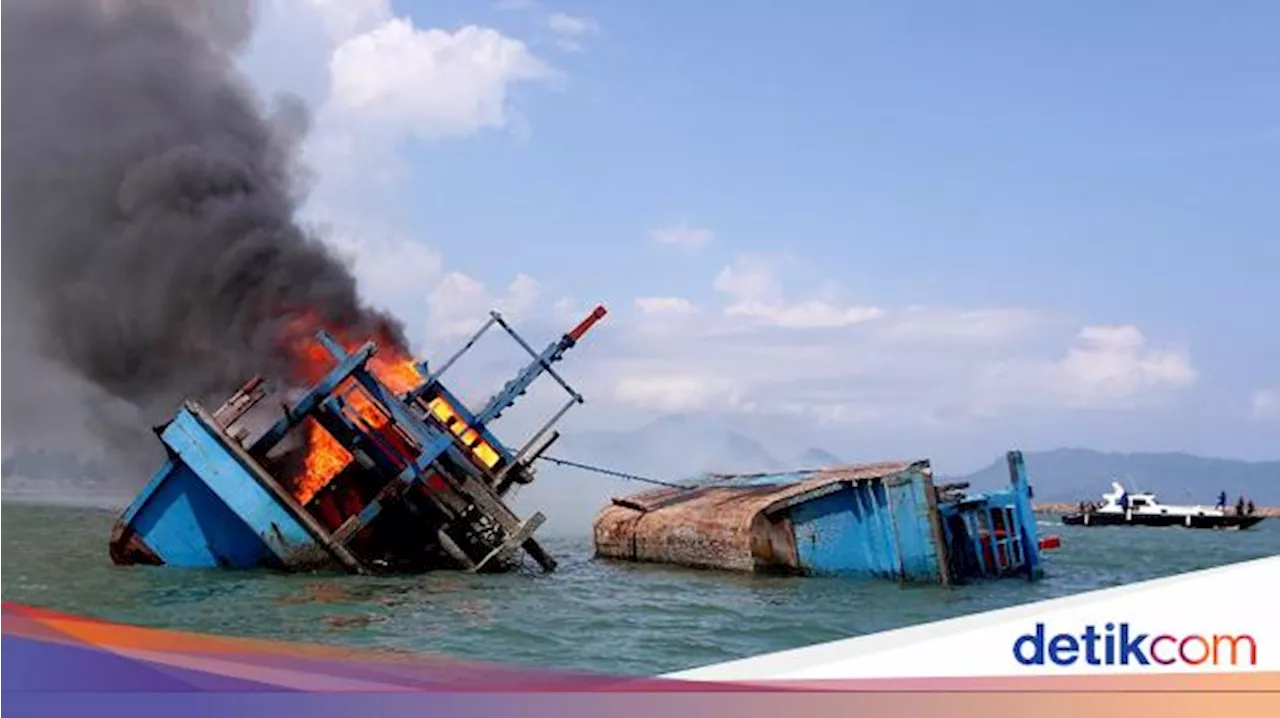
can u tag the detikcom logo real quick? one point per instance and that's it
(1118, 644)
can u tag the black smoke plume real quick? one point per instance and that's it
(149, 202)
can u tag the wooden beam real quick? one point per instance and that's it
(455, 550)
(522, 533)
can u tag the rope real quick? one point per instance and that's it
(611, 472)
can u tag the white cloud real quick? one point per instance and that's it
(676, 392)
(346, 18)
(378, 80)
(1265, 404)
(757, 295)
(570, 30)
(1106, 366)
(431, 83)
(948, 325)
(563, 24)
(383, 81)
(805, 315)
(663, 305)
(827, 362)
(810, 355)
(394, 270)
(567, 309)
(681, 236)
(459, 304)
(751, 279)
(1114, 362)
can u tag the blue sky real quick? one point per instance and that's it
(906, 227)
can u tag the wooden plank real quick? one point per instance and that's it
(489, 502)
(627, 504)
(283, 498)
(939, 534)
(897, 536)
(521, 534)
(544, 559)
(393, 490)
(492, 505)
(455, 550)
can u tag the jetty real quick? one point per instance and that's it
(376, 467)
(883, 520)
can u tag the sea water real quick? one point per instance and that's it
(589, 615)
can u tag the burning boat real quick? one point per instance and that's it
(377, 466)
(884, 520)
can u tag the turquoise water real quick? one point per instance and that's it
(589, 615)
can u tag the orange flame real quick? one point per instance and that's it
(325, 459)
(399, 374)
(362, 404)
(392, 365)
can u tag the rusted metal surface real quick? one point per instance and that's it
(734, 527)
(127, 547)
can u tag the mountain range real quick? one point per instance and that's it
(40, 464)
(1076, 474)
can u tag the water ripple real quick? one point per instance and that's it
(589, 615)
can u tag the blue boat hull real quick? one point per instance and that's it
(871, 529)
(210, 505)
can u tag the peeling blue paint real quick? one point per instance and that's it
(869, 529)
(206, 510)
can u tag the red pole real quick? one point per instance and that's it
(586, 324)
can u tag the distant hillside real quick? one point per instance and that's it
(41, 464)
(1081, 474)
(816, 458)
(673, 447)
(63, 478)
(670, 449)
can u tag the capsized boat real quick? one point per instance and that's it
(881, 520)
(1120, 508)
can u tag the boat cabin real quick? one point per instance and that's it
(1144, 509)
(1120, 501)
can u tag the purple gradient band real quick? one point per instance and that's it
(74, 666)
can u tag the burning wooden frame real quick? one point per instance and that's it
(377, 466)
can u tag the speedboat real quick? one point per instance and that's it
(1120, 508)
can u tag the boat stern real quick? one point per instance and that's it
(991, 535)
(210, 505)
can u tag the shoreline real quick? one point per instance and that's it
(107, 502)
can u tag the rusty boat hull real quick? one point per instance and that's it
(881, 520)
